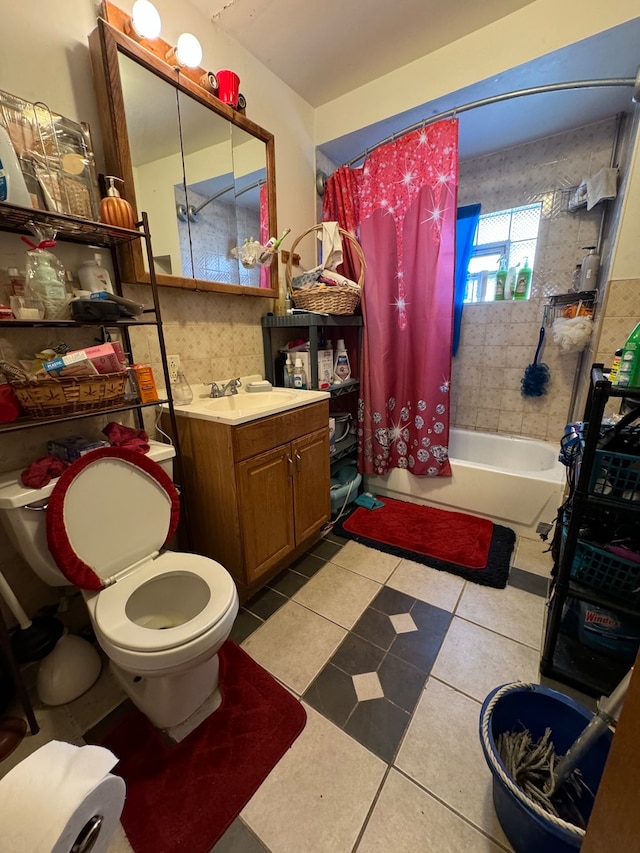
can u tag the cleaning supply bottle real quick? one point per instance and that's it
(93, 276)
(299, 375)
(115, 210)
(628, 375)
(501, 278)
(590, 267)
(523, 281)
(615, 366)
(341, 368)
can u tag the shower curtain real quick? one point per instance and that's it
(404, 200)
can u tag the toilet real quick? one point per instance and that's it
(160, 616)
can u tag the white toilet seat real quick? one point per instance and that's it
(114, 622)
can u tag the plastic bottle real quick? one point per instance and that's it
(615, 366)
(12, 184)
(628, 375)
(510, 284)
(523, 281)
(590, 267)
(289, 370)
(341, 368)
(575, 279)
(501, 279)
(93, 276)
(299, 375)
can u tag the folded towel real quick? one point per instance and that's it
(368, 501)
(42, 471)
(123, 436)
(602, 185)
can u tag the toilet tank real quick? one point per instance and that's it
(23, 514)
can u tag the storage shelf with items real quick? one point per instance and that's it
(592, 630)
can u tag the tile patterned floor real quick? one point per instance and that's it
(392, 660)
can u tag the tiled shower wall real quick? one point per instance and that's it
(499, 339)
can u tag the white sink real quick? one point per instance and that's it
(245, 405)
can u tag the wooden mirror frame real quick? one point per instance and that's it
(105, 43)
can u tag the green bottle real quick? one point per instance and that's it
(523, 281)
(501, 278)
(628, 375)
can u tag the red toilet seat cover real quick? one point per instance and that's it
(76, 569)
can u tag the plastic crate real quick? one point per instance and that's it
(616, 476)
(599, 569)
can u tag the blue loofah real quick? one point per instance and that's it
(536, 376)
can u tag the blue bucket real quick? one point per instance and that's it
(530, 706)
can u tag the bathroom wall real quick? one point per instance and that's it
(498, 340)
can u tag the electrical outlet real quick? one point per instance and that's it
(173, 361)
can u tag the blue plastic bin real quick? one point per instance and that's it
(533, 707)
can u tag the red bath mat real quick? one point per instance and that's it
(456, 542)
(183, 797)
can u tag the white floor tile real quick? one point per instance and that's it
(510, 611)
(365, 561)
(294, 645)
(530, 555)
(317, 797)
(475, 660)
(406, 819)
(429, 585)
(441, 751)
(338, 594)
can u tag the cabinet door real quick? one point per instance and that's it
(311, 500)
(265, 492)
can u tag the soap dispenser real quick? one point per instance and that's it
(523, 281)
(590, 267)
(115, 210)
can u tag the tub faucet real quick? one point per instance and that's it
(230, 387)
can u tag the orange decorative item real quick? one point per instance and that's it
(115, 210)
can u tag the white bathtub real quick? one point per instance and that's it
(517, 482)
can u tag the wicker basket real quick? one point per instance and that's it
(340, 299)
(50, 397)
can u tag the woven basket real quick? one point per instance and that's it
(50, 397)
(339, 299)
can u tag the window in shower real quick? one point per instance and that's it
(511, 234)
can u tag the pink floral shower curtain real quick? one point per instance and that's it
(406, 213)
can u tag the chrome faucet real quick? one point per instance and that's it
(230, 387)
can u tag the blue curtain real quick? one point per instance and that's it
(466, 224)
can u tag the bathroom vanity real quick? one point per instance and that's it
(258, 489)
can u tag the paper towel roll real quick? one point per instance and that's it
(49, 797)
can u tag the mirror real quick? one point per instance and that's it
(204, 173)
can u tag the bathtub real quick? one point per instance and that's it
(514, 481)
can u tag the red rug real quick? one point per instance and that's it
(462, 544)
(181, 798)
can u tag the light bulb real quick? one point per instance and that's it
(145, 20)
(188, 51)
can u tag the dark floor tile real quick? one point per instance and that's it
(325, 549)
(420, 648)
(96, 733)
(375, 627)
(288, 583)
(308, 565)
(239, 839)
(332, 694)
(401, 682)
(245, 624)
(379, 726)
(333, 537)
(391, 601)
(528, 581)
(356, 655)
(265, 603)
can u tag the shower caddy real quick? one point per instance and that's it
(583, 571)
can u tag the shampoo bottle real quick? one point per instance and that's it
(501, 279)
(341, 368)
(523, 281)
(628, 375)
(590, 267)
(93, 276)
(299, 375)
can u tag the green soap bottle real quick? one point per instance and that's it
(501, 278)
(523, 282)
(628, 375)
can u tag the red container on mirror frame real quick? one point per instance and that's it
(228, 86)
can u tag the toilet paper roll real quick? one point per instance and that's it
(50, 797)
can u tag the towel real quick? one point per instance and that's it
(331, 245)
(123, 436)
(368, 501)
(602, 185)
(42, 471)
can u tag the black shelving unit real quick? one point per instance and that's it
(564, 657)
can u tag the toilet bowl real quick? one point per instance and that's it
(160, 616)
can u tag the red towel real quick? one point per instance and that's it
(42, 471)
(123, 436)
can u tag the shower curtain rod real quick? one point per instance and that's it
(507, 96)
(183, 212)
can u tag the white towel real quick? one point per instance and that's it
(331, 245)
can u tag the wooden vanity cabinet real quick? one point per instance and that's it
(258, 492)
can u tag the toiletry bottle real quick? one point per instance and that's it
(628, 375)
(93, 276)
(590, 267)
(510, 284)
(342, 368)
(523, 281)
(299, 375)
(289, 370)
(501, 279)
(115, 210)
